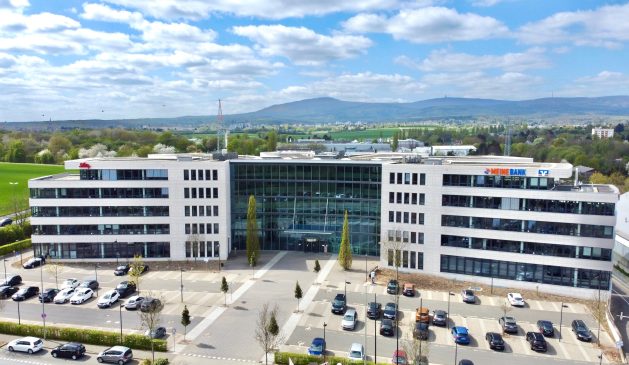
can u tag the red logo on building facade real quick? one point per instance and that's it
(84, 165)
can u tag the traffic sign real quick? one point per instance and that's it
(619, 344)
(174, 330)
(43, 315)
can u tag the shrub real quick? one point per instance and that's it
(281, 358)
(161, 361)
(145, 362)
(15, 246)
(14, 232)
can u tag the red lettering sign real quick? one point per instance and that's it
(84, 165)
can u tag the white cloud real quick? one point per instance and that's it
(429, 25)
(486, 3)
(606, 26)
(42, 22)
(13, 4)
(478, 84)
(104, 13)
(302, 45)
(602, 84)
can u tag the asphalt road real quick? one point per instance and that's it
(619, 307)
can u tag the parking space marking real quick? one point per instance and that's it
(561, 347)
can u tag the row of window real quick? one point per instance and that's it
(536, 205)
(337, 173)
(406, 217)
(200, 174)
(407, 178)
(102, 250)
(405, 236)
(101, 229)
(99, 193)
(506, 182)
(202, 249)
(114, 175)
(201, 211)
(405, 259)
(407, 198)
(530, 226)
(92, 211)
(532, 248)
(201, 228)
(200, 193)
(546, 274)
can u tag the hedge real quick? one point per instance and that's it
(94, 337)
(15, 246)
(15, 232)
(281, 358)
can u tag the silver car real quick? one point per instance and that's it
(117, 354)
(349, 319)
(134, 302)
(468, 296)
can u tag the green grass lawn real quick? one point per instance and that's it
(20, 173)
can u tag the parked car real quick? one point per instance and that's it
(26, 344)
(409, 290)
(386, 327)
(5, 222)
(25, 293)
(466, 362)
(48, 295)
(495, 341)
(439, 318)
(317, 347)
(7, 291)
(70, 350)
(508, 324)
(89, 283)
(349, 319)
(537, 341)
(134, 302)
(141, 268)
(399, 357)
(373, 310)
(159, 332)
(64, 295)
(122, 270)
(421, 331)
(81, 296)
(460, 335)
(356, 352)
(393, 287)
(108, 299)
(468, 296)
(150, 305)
(546, 328)
(581, 330)
(70, 283)
(34, 262)
(515, 299)
(117, 354)
(125, 288)
(422, 314)
(390, 311)
(339, 304)
(12, 280)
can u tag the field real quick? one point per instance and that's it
(20, 173)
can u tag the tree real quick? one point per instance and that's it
(224, 288)
(416, 349)
(395, 143)
(506, 308)
(266, 336)
(298, 294)
(271, 142)
(55, 269)
(15, 152)
(185, 320)
(59, 144)
(151, 319)
(274, 329)
(317, 267)
(135, 271)
(345, 250)
(598, 178)
(253, 241)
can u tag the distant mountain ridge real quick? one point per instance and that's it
(329, 110)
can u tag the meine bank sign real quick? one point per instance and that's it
(504, 172)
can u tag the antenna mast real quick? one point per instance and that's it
(508, 140)
(220, 127)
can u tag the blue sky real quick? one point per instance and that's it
(138, 58)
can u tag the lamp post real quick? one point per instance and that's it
(5, 270)
(15, 201)
(561, 318)
(19, 317)
(121, 305)
(325, 344)
(43, 309)
(181, 282)
(96, 277)
(456, 351)
(450, 294)
(347, 282)
(375, 333)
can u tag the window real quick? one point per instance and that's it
(216, 210)
(392, 178)
(413, 218)
(398, 217)
(201, 193)
(214, 174)
(194, 193)
(186, 193)
(195, 228)
(420, 260)
(414, 198)
(421, 218)
(187, 225)
(399, 198)
(407, 178)
(208, 193)
(413, 237)
(391, 197)
(194, 210)
(414, 178)
(422, 179)
(200, 173)
(420, 238)
(208, 175)
(413, 262)
(399, 178)
(193, 174)
(422, 199)
(186, 211)
(201, 210)
(405, 217)
(391, 216)
(215, 228)
(215, 192)
(407, 198)
(202, 228)
(209, 228)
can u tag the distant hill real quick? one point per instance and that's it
(329, 110)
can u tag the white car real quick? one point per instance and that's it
(81, 296)
(70, 283)
(26, 344)
(515, 299)
(349, 319)
(64, 295)
(108, 299)
(356, 352)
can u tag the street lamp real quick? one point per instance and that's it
(456, 351)
(450, 294)
(181, 282)
(347, 282)
(325, 344)
(5, 270)
(561, 318)
(121, 305)
(375, 333)
(43, 309)
(96, 277)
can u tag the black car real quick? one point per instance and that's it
(581, 330)
(373, 310)
(89, 283)
(439, 318)
(34, 262)
(5, 222)
(508, 324)
(141, 268)
(159, 332)
(537, 341)
(125, 288)
(495, 341)
(393, 287)
(7, 291)
(48, 295)
(70, 350)
(546, 328)
(150, 305)
(421, 330)
(25, 293)
(386, 327)
(339, 304)
(12, 280)
(122, 270)
(390, 311)
(466, 362)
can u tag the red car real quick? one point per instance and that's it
(399, 358)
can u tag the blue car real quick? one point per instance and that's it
(460, 335)
(317, 347)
